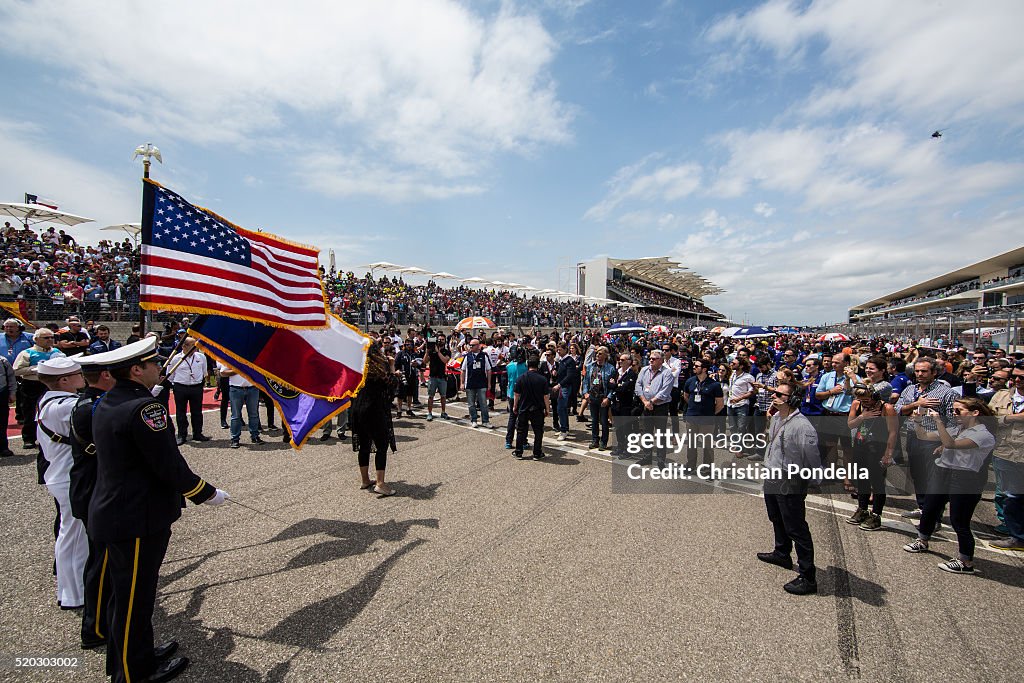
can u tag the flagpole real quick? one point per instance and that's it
(147, 151)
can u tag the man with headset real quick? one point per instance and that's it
(792, 440)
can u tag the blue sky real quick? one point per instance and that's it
(780, 149)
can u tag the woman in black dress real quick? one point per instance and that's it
(370, 420)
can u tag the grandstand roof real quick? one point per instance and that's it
(668, 273)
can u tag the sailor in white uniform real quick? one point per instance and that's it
(63, 378)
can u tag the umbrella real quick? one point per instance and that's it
(626, 327)
(718, 330)
(660, 329)
(476, 322)
(445, 276)
(728, 332)
(833, 336)
(413, 270)
(382, 265)
(476, 281)
(698, 329)
(35, 213)
(752, 333)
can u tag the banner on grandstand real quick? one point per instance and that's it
(301, 414)
(194, 261)
(328, 363)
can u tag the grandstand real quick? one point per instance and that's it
(657, 285)
(984, 297)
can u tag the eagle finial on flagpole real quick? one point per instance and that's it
(147, 151)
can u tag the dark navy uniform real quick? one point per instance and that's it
(141, 485)
(83, 481)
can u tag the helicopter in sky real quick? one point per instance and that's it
(938, 133)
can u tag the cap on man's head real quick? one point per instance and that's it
(58, 367)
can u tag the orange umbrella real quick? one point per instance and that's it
(476, 322)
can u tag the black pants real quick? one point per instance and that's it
(269, 405)
(962, 490)
(380, 461)
(787, 513)
(188, 399)
(532, 419)
(225, 398)
(32, 392)
(97, 594)
(5, 413)
(921, 460)
(134, 570)
(19, 402)
(651, 420)
(869, 455)
(624, 426)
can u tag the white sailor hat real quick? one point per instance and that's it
(126, 356)
(58, 367)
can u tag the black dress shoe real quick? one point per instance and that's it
(93, 643)
(801, 586)
(201, 437)
(776, 559)
(180, 441)
(168, 670)
(165, 650)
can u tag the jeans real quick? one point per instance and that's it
(477, 399)
(564, 394)
(598, 421)
(1010, 478)
(739, 418)
(250, 396)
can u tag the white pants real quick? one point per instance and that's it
(71, 550)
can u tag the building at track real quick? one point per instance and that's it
(658, 285)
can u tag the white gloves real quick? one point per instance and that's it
(218, 498)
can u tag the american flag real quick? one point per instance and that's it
(195, 261)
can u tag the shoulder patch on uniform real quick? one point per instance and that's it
(155, 416)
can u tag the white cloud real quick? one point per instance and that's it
(35, 168)
(764, 209)
(664, 183)
(409, 84)
(943, 61)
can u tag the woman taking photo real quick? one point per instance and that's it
(875, 431)
(370, 420)
(958, 478)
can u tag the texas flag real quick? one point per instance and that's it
(326, 363)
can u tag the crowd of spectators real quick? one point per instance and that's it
(654, 298)
(56, 277)
(939, 293)
(392, 299)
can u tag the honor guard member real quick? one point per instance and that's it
(141, 485)
(62, 378)
(83, 480)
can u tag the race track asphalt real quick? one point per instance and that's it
(484, 568)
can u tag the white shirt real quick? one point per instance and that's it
(56, 415)
(234, 380)
(739, 384)
(190, 370)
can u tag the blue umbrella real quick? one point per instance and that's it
(752, 333)
(626, 327)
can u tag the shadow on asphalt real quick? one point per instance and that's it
(18, 459)
(833, 580)
(310, 626)
(415, 491)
